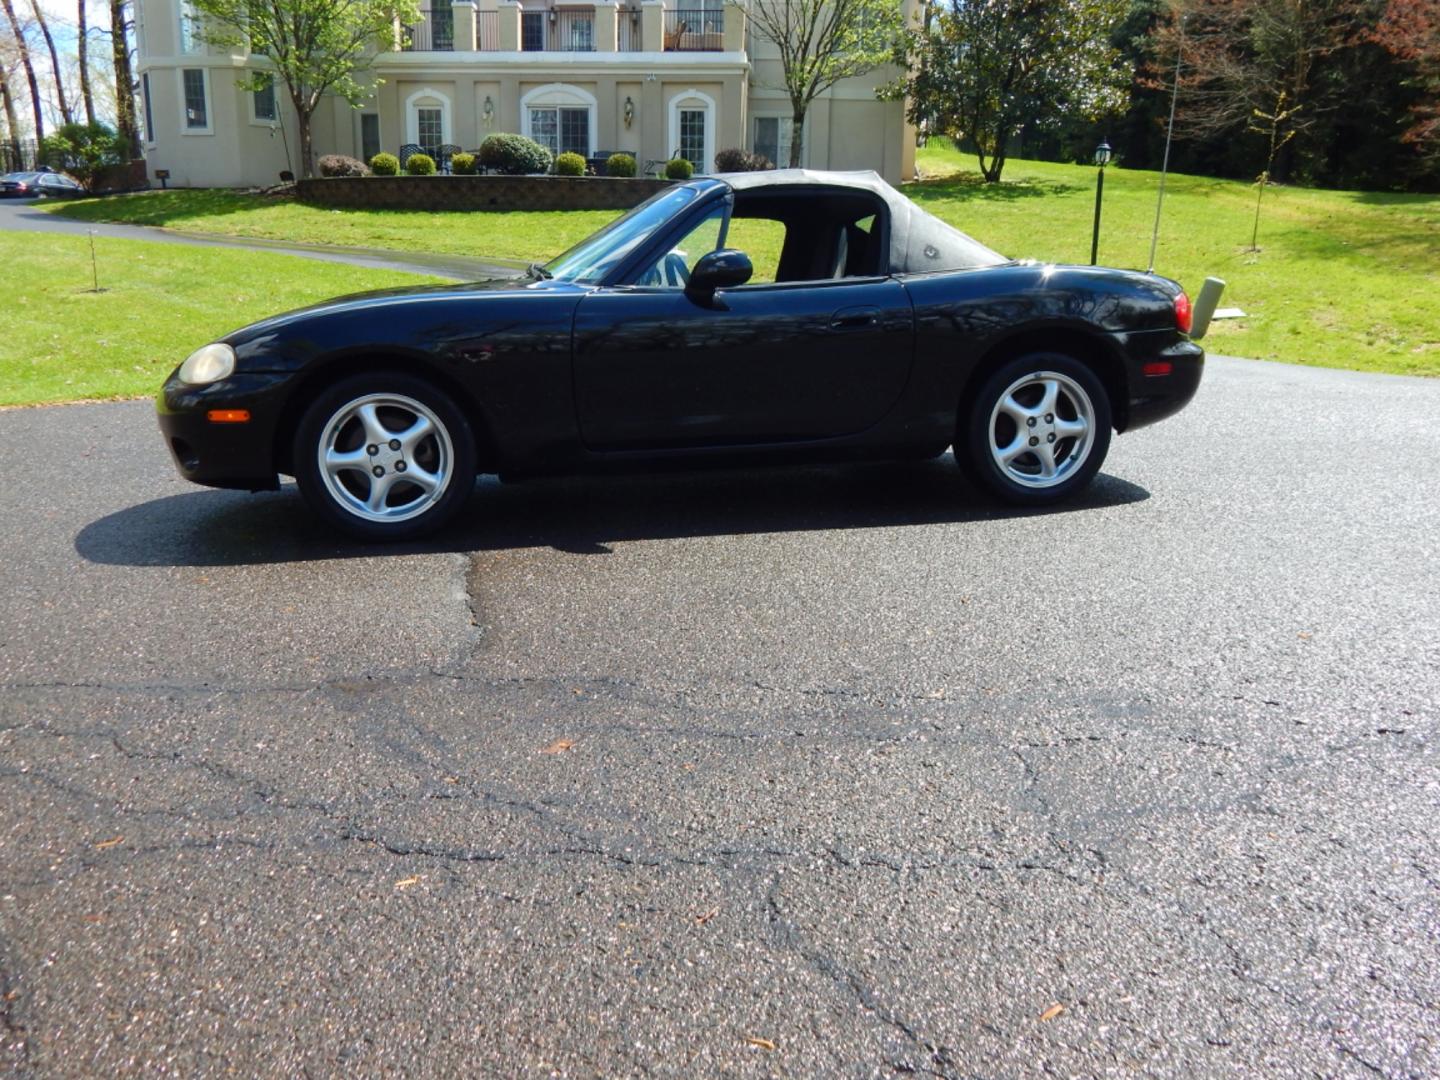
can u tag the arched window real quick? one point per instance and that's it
(692, 128)
(427, 120)
(561, 117)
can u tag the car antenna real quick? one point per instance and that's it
(1169, 133)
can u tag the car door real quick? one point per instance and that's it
(656, 368)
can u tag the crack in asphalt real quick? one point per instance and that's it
(785, 935)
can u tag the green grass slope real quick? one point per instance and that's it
(61, 341)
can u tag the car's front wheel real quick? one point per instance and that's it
(384, 457)
(1038, 429)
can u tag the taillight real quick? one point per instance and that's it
(1182, 313)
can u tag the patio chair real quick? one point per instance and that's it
(407, 151)
(444, 154)
(672, 39)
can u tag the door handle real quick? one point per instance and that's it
(855, 319)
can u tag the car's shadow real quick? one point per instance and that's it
(581, 515)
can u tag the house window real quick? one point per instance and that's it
(197, 115)
(430, 128)
(189, 28)
(562, 130)
(369, 135)
(703, 16)
(145, 100)
(772, 138)
(532, 31)
(263, 102)
(692, 137)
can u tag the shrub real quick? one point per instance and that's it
(84, 151)
(462, 164)
(383, 164)
(738, 160)
(420, 165)
(340, 165)
(570, 164)
(620, 165)
(514, 155)
(679, 169)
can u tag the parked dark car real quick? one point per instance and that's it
(885, 333)
(25, 184)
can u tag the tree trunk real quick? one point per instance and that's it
(124, 79)
(797, 136)
(12, 125)
(35, 102)
(302, 122)
(83, 45)
(54, 63)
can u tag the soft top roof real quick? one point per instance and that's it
(919, 242)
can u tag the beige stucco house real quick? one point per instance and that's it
(650, 77)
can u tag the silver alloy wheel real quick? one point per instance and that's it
(1042, 429)
(385, 457)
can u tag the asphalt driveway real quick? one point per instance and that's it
(838, 772)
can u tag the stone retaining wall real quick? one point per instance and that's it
(478, 192)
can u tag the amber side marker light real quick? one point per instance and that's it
(228, 416)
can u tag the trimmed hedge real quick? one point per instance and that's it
(735, 159)
(420, 165)
(570, 164)
(340, 165)
(383, 164)
(620, 165)
(679, 169)
(514, 155)
(462, 164)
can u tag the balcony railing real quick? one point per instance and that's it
(572, 31)
(435, 32)
(695, 30)
(628, 36)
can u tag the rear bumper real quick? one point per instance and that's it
(1154, 397)
(224, 455)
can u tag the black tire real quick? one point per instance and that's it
(342, 421)
(1080, 397)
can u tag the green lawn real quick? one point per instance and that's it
(61, 341)
(522, 235)
(1343, 279)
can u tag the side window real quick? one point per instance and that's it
(762, 239)
(672, 269)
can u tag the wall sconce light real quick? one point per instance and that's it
(629, 111)
(552, 16)
(487, 111)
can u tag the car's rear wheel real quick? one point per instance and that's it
(1038, 429)
(384, 457)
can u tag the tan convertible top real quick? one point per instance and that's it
(919, 242)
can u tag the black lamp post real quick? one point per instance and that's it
(1102, 158)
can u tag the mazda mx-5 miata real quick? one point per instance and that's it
(870, 329)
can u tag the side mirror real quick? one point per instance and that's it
(723, 269)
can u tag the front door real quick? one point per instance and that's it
(791, 362)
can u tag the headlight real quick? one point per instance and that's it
(209, 364)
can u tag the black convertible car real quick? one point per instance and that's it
(869, 330)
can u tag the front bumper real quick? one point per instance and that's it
(223, 455)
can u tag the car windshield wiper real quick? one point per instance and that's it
(539, 272)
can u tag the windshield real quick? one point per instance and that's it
(588, 262)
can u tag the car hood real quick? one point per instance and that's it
(429, 320)
(401, 298)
